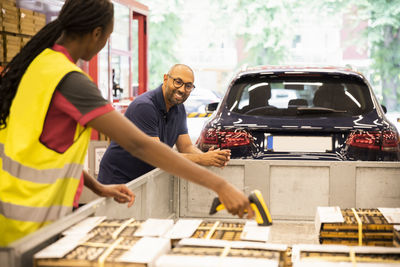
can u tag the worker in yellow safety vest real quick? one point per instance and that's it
(48, 107)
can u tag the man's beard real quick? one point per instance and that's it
(172, 94)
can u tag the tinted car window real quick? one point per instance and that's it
(287, 95)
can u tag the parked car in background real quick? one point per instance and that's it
(394, 118)
(301, 113)
(195, 108)
(198, 100)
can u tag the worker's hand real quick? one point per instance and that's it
(235, 201)
(216, 157)
(120, 192)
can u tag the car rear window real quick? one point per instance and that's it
(300, 95)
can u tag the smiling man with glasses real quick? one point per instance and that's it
(161, 114)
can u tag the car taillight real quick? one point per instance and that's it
(224, 138)
(385, 141)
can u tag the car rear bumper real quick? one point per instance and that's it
(299, 156)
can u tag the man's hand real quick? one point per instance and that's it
(216, 157)
(235, 201)
(120, 192)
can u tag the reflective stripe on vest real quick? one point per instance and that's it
(35, 214)
(47, 176)
(37, 184)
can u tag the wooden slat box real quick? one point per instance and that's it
(220, 230)
(344, 256)
(108, 242)
(396, 233)
(371, 227)
(222, 253)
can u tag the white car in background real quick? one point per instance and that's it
(394, 117)
(199, 99)
(196, 103)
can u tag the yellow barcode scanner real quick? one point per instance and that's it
(257, 203)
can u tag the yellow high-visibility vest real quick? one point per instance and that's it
(37, 184)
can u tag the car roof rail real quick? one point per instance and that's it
(244, 67)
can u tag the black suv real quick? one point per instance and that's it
(301, 113)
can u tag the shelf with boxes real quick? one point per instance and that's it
(17, 26)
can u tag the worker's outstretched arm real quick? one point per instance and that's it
(126, 134)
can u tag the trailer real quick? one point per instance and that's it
(292, 190)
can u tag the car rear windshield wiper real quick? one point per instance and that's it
(318, 110)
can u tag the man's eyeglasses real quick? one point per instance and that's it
(178, 84)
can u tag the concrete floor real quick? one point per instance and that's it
(293, 232)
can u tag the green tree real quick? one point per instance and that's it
(164, 26)
(383, 36)
(266, 27)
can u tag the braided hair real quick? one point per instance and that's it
(77, 17)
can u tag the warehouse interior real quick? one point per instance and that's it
(307, 212)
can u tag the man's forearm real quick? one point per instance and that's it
(190, 150)
(195, 157)
(194, 154)
(217, 158)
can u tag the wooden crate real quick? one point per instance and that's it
(2, 50)
(100, 251)
(10, 3)
(9, 10)
(37, 28)
(396, 236)
(24, 41)
(9, 17)
(31, 22)
(26, 24)
(359, 227)
(215, 253)
(39, 21)
(110, 243)
(319, 255)
(26, 12)
(9, 25)
(39, 18)
(219, 230)
(12, 46)
(12, 39)
(9, 55)
(28, 29)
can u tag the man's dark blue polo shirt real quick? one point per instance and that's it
(148, 113)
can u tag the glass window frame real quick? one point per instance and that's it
(137, 12)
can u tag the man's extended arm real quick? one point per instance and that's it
(217, 158)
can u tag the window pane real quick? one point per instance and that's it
(120, 35)
(120, 70)
(103, 72)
